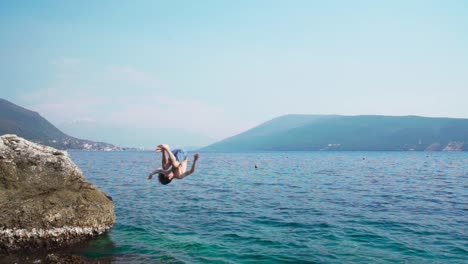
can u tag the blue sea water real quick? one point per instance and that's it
(314, 207)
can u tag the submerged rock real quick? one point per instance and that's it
(71, 259)
(52, 258)
(45, 202)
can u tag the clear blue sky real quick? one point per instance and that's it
(191, 72)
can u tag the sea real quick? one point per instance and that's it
(296, 207)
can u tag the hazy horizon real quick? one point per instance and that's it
(192, 73)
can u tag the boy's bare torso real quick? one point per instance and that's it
(178, 172)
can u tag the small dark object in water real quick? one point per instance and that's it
(256, 166)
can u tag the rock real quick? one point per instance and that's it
(68, 259)
(45, 202)
(52, 258)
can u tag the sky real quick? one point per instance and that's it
(189, 73)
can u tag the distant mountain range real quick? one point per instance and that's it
(285, 133)
(366, 133)
(30, 125)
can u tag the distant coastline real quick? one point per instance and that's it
(120, 149)
(284, 133)
(351, 133)
(32, 126)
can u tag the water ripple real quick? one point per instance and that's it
(315, 207)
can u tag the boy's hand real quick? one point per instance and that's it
(196, 156)
(162, 147)
(150, 176)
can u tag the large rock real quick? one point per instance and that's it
(44, 199)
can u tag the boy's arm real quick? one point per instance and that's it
(157, 171)
(194, 166)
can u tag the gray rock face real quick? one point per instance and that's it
(44, 199)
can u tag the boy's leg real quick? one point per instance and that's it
(172, 159)
(165, 161)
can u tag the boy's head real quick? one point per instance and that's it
(163, 179)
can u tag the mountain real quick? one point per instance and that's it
(332, 132)
(30, 125)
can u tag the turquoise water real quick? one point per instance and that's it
(319, 207)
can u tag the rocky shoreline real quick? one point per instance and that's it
(45, 201)
(53, 258)
(24, 239)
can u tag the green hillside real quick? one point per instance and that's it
(32, 126)
(303, 132)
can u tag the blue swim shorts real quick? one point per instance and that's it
(180, 154)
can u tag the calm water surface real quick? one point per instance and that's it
(316, 207)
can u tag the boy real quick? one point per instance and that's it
(175, 166)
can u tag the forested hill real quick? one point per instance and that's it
(332, 132)
(30, 125)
